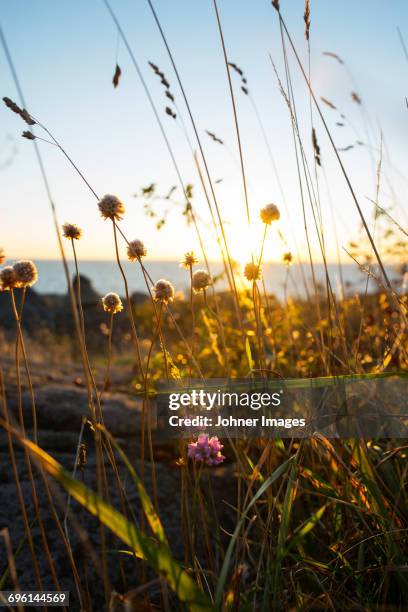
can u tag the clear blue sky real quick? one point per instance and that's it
(65, 53)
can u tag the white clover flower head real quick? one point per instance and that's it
(252, 272)
(25, 273)
(7, 278)
(269, 213)
(111, 207)
(163, 291)
(189, 260)
(71, 231)
(136, 249)
(112, 303)
(201, 280)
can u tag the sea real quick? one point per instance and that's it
(297, 282)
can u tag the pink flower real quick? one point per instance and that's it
(206, 449)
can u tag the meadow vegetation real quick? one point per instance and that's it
(275, 524)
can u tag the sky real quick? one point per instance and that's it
(65, 54)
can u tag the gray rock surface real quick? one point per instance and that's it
(61, 408)
(61, 404)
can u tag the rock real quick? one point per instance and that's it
(61, 409)
(48, 317)
(89, 297)
(36, 314)
(138, 297)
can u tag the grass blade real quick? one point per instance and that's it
(225, 566)
(158, 557)
(148, 508)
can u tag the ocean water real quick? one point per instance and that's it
(105, 277)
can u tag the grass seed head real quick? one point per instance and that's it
(306, 19)
(287, 258)
(2, 256)
(24, 114)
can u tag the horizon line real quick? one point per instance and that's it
(319, 261)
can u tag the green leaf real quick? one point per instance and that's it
(304, 530)
(148, 508)
(159, 556)
(249, 353)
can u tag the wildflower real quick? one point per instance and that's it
(163, 291)
(112, 303)
(72, 231)
(2, 256)
(269, 213)
(25, 273)
(287, 258)
(136, 249)
(252, 272)
(111, 207)
(201, 280)
(188, 260)
(7, 278)
(206, 449)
